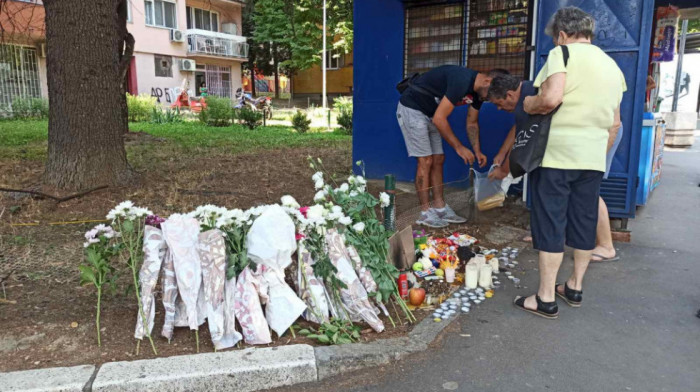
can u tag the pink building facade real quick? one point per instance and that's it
(197, 43)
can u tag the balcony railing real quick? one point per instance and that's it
(210, 43)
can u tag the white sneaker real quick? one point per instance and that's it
(431, 219)
(448, 215)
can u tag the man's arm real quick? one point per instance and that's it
(507, 145)
(612, 132)
(440, 120)
(473, 135)
(550, 96)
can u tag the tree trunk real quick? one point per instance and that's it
(89, 50)
(252, 82)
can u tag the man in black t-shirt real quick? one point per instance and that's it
(507, 92)
(422, 115)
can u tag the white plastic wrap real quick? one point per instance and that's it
(153, 254)
(271, 243)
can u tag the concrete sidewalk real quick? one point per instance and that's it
(636, 331)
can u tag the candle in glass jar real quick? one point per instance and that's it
(471, 273)
(485, 276)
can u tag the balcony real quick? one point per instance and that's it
(214, 44)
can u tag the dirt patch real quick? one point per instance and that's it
(41, 241)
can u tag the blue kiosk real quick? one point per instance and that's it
(394, 38)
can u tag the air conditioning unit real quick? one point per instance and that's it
(187, 65)
(229, 28)
(177, 35)
(41, 50)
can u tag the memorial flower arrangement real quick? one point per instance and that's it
(100, 247)
(367, 235)
(129, 220)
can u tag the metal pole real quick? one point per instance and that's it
(323, 59)
(679, 66)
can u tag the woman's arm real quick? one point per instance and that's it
(551, 95)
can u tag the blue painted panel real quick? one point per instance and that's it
(623, 31)
(378, 66)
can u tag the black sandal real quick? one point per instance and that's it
(571, 296)
(548, 310)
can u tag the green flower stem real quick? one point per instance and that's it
(131, 262)
(97, 318)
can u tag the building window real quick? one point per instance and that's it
(202, 19)
(335, 59)
(160, 13)
(218, 80)
(19, 74)
(164, 66)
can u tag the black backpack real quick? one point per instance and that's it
(410, 81)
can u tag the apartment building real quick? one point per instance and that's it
(194, 41)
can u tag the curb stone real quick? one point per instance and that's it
(333, 360)
(251, 369)
(64, 379)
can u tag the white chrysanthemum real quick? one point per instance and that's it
(319, 184)
(320, 196)
(362, 188)
(316, 212)
(337, 209)
(318, 176)
(353, 193)
(360, 180)
(384, 199)
(351, 180)
(345, 221)
(344, 187)
(359, 227)
(289, 201)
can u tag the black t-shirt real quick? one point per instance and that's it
(451, 81)
(526, 90)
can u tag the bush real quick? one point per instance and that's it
(167, 116)
(300, 122)
(140, 106)
(343, 103)
(345, 121)
(344, 107)
(218, 113)
(249, 117)
(25, 108)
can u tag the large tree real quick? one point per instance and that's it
(88, 55)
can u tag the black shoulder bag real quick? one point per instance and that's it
(531, 138)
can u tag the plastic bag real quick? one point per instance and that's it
(154, 249)
(488, 193)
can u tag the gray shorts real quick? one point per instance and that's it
(420, 134)
(609, 156)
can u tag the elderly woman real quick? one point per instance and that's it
(566, 187)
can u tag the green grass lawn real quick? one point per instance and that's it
(27, 139)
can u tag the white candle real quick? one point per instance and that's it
(480, 260)
(494, 264)
(449, 275)
(485, 276)
(471, 273)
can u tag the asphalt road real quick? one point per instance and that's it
(636, 330)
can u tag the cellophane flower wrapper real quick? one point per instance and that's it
(354, 297)
(212, 253)
(311, 290)
(248, 308)
(182, 236)
(271, 243)
(154, 249)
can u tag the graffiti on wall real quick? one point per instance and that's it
(161, 93)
